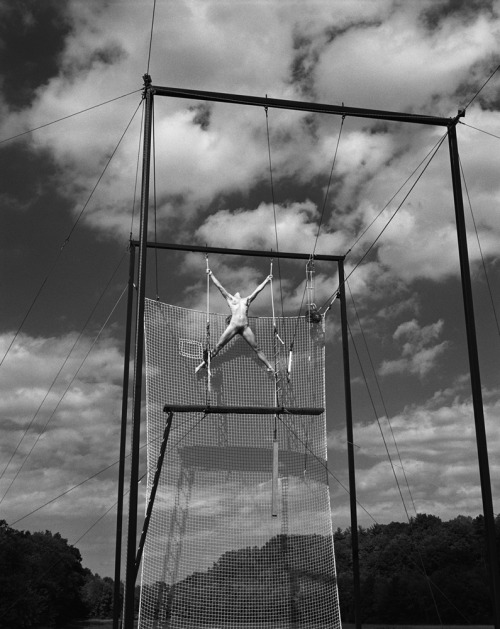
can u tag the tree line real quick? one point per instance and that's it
(43, 582)
(425, 571)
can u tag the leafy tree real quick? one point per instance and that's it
(40, 579)
(97, 595)
(424, 571)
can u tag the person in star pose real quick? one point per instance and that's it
(238, 321)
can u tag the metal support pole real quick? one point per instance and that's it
(139, 350)
(350, 450)
(477, 399)
(123, 440)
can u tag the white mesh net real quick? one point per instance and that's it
(215, 556)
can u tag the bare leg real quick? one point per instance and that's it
(229, 333)
(249, 337)
(226, 336)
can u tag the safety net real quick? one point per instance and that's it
(241, 531)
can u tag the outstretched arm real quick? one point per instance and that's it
(259, 288)
(224, 292)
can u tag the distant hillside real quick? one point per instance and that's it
(423, 572)
(248, 582)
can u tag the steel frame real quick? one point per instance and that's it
(150, 91)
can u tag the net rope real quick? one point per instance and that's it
(215, 556)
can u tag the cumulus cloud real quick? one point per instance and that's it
(212, 186)
(419, 352)
(436, 443)
(198, 160)
(58, 429)
(296, 227)
(393, 310)
(392, 57)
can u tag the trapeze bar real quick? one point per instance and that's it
(259, 101)
(239, 252)
(241, 410)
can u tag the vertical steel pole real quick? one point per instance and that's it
(139, 350)
(123, 441)
(477, 399)
(350, 450)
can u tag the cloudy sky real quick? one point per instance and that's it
(69, 203)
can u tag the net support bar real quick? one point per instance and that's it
(152, 496)
(241, 410)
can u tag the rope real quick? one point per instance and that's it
(207, 349)
(272, 296)
(154, 201)
(151, 35)
(310, 280)
(328, 186)
(277, 401)
(482, 130)
(392, 467)
(438, 143)
(77, 113)
(422, 565)
(276, 337)
(480, 250)
(311, 259)
(483, 85)
(272, 306)
(274, 204)
(67, 239)
(374, 372)
(105, 469)
(208, 291)
(136, 175)
(327, 305)
(57, 376)
(322, 463)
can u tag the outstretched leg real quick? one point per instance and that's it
(249, 337)
(226, 336)
(229, 333)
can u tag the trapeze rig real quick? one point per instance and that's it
(450, 124)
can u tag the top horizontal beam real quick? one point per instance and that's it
(240, 252)
(321, 108)
(241, 410)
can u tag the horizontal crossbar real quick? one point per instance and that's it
(241, 410)
(240, 252)
(322, 108)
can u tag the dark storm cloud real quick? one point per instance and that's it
(109, 54)
(437, 13)
(303, 63)
(202, 115)
(24, 174)
(32, 36)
